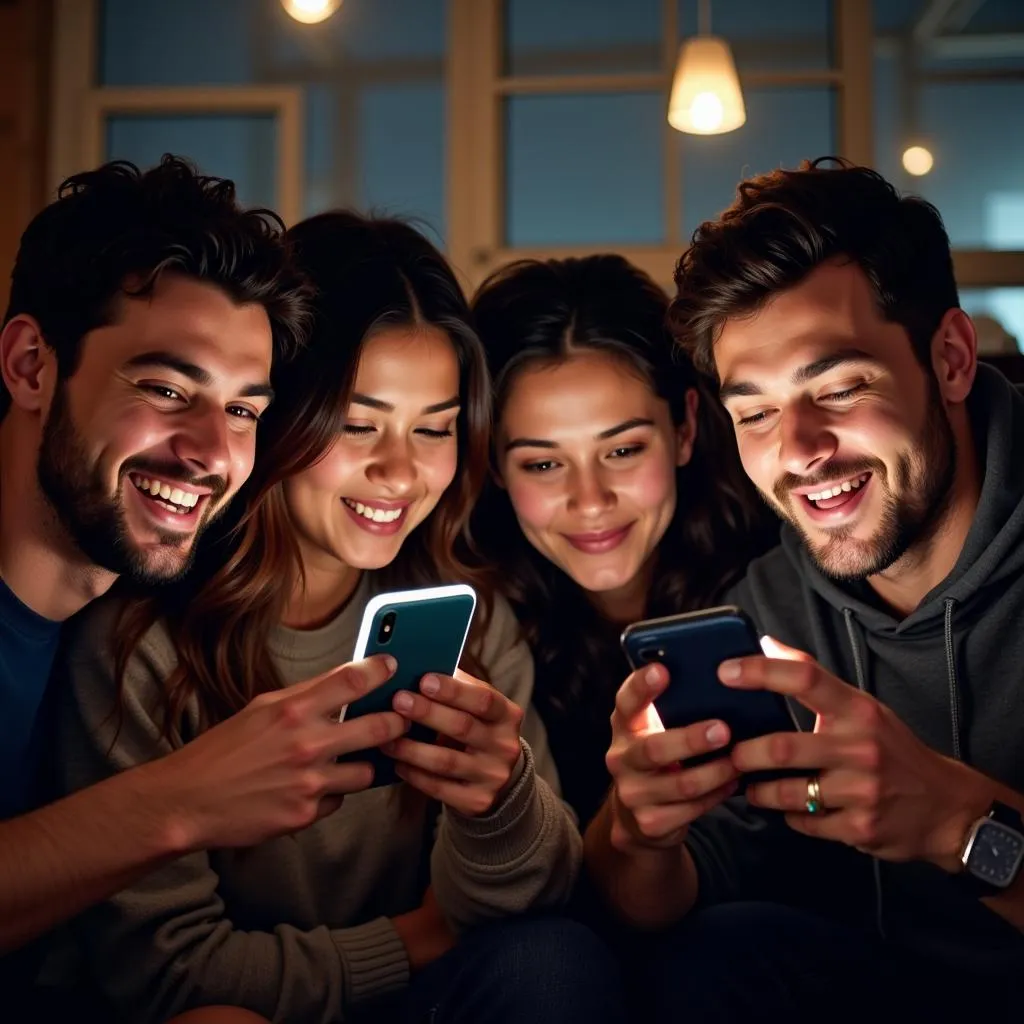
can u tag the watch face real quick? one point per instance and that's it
(996, 853)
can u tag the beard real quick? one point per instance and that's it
(914, 504)
(95, 520)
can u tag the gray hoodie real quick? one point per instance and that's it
(952, 670)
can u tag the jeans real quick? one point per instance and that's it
(761, 961)
(544, 970)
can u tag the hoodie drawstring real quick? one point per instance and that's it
(862, 685)
(956, 719)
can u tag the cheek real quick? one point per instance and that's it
(651, 487)
(438, 470)
(534, 503)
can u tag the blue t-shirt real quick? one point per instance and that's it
(28, 643)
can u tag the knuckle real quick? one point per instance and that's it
(509, 749)
(310, 786)
(805, 673)
(869, 755)
(868, 712)
(290, 713)
(865, 827)
(480, 801)
(485, 700)
(515, 714)
(629, 794)
(613, 760)
(448, 760)
(648, 821)
(871, 792)
(302, 751)
(462, 726)
(781, 748)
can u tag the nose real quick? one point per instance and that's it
(203, 442)
(805, 440)
(590, 496)
(392, 466)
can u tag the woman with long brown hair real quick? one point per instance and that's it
(618, 495)
(373, 453)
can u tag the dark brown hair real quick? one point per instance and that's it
(369, 273)
(115, 229)
(541, 312)
(784, 224)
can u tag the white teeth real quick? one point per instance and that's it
(376, 515)
(174, 497)
(831, 492)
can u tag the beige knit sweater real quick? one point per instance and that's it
(298, 929)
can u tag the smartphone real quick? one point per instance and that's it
(691, 646)
(425, 631)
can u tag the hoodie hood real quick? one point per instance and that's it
(992, 550)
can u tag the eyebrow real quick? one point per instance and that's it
(169, 361)
(427, 410)
(532, 442)
(737, 389)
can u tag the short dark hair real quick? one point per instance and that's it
(114, 230)
(784, 224)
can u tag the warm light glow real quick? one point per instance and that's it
(917, 160)
(706, 97)
(309, 12)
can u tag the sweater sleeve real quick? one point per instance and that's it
(524, 855)
(165, 944)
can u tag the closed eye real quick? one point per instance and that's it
(755, 417)
(434, 434)
(841, 396)
(357, 429)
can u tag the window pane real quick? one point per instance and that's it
(783, 35)
(582, 36)
(972, 131)
(998, 315)
(239, 147)
(584, 169)
(187, 42)
(784, 126)
(374, 96)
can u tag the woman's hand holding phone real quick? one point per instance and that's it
(654, 799)
(471, 768)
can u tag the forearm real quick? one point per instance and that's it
(647, 888)
(67, 856)
(424, 934)
(523, 856)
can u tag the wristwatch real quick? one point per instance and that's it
(993, 851)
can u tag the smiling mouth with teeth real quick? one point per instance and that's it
(853, 484)
(174, 499)
(376, 515)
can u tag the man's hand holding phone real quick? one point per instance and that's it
(869, 781)
(271, 769)
(471, 768)
(654, 798)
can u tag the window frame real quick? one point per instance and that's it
(475, 91)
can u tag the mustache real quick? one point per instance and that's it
(830, 471)
(176, 474)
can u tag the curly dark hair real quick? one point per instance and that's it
(784, 224)
(532, 312)
(115, 229)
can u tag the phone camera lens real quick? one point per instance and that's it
(387, 628)
(649, 654)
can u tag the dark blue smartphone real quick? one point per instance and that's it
(691, 646)
(425, 630)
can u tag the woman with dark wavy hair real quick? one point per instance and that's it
(373, 454)
(618, 495)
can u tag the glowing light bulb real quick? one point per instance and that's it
(917, 160)
(309, 12)
(707, 112)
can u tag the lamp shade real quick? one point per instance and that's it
(706, 97)
(309, 12)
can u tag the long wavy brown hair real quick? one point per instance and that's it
(369, 274)
(534, 312)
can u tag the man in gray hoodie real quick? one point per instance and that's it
(883, 873)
